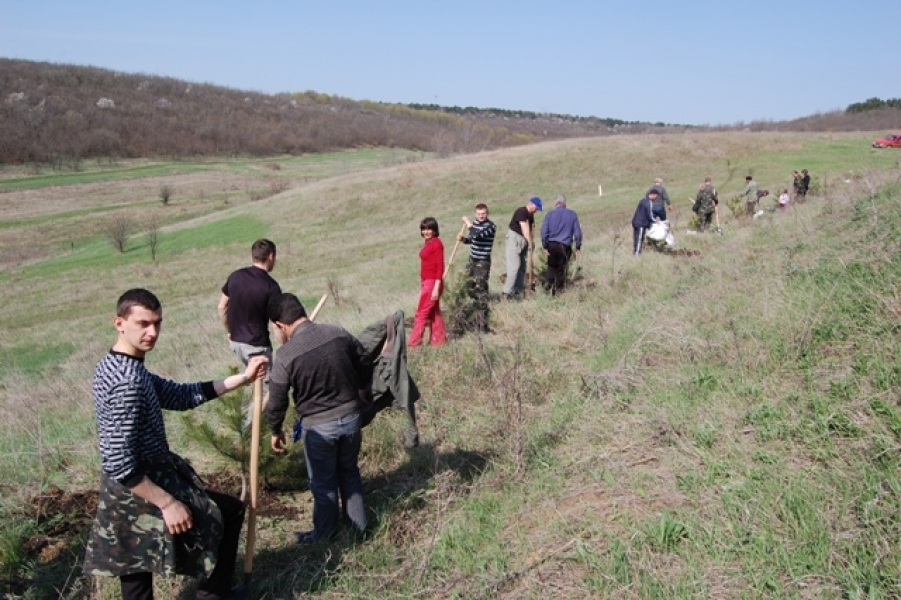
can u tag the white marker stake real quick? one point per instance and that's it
(600, 191)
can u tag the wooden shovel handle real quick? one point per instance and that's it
(254, 477)
(453, 252)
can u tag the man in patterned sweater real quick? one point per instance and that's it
(154, 514)
(481, 240)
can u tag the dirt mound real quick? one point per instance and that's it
(681, 252)
(271, 500)
(56, 501)
(62, 517)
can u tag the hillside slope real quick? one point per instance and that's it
(724, 425)
(61, 114)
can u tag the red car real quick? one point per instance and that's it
(889, 141)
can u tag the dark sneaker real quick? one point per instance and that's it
(306, 537)
(242, 592)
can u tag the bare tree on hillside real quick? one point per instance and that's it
(153, 235)
(165, 194)
(118, 230)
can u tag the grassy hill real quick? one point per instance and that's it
(59, 115)
(725, 425)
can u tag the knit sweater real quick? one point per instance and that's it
(481, 239)
(129, 400)
(325, 366)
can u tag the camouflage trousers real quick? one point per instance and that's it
(129, 534)
(478, 272)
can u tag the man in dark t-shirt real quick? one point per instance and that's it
(244, 304)
(519, 243)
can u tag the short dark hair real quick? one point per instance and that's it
(136, 297)
(261, 249)
(481, 206)
(285, 308)
(429, 223)
(748, 178)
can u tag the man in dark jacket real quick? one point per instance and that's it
(328, 370)
(642, 220)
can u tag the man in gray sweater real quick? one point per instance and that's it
(328, 370)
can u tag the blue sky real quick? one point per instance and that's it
(697, 62)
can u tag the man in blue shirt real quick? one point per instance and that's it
(560, 231)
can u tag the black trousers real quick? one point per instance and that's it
(139, 586)
(557, 262)
(638, 234)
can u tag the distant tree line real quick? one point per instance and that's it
(525, 114)
(873, 104)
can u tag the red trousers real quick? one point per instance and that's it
(428, 313)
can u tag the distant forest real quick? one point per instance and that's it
(60, 114)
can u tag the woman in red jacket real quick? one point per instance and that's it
(431, 272)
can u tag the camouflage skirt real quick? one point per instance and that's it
(130, 536)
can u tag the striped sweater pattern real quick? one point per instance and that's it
(129, 400)
(481, 238)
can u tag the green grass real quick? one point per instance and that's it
(721, 426)
(48, 219)
(103, 176)
(99, 255)
(33, 361)
(313, 165)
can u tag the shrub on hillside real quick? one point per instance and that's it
(118, 230)
(165, 194)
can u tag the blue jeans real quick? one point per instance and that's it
(332, 450)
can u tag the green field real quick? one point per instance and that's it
(723, 425)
